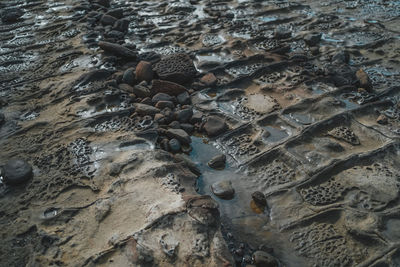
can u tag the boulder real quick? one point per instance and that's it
(17, 171)
(215, 126)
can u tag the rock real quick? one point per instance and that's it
(187, 128)
(11, 15)
(165, 104)
(93, 76)
(17, 171)
(364, 80)
(147, 101)
(197, 117)
(159, 118)
(223, 189)
(341, 57)
(118, 50)
(179, 134)
(144, 71)
(209, 79)
(2, 119)
(281, 33)
(174, 145)
(105, 3)
(162, 97)
(259, 198)
(217, 162)
(121, 25)
(184, 115)
(382, 119)
(107, 20)
(178, 68)
(215, 126)
(264, 259)
(116, 13)
(313, 39)
(125, 87)
(102, 209)
(116, 35)
(170, 88)
(141, 91)
(129, 76)
(143, 109)
(174, 125)
(183, 98)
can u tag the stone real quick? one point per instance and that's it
(264, 259)
(102, 209)
(144, 71)
(17, 171)
(382, 119)
(125, 87)
(183, 98)
(281, 33)
(209, 79)
(129, 76)
(223, 189)
(143, 109)
(170, 88)
(259, 198)
(116, 13)
(117, 35)
(121, 25)
(107, 20)
(147, 101)
(178, 68)
(174, 125)
(197, 117)
(164, 104)
(2, 119)
(179, 134)
(215, 126)
(141, 91)
(217, 162)
(187, 128)
(184, 115)
(162, 97)
(11, 15)
(105, 3)
(118, 50)
(93, 76)
(364, 80)
(174, 145)
(313, 39)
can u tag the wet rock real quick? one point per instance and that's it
(2, 119)
(313, 39)
(223, 189)
(17, 171)
(179, 134)
(184, 115)
(187, 128)
(125, 87)
(143, 109)
(93, 76)
(259, 198)
(264, 259)
(144, 71)
(118, 50)
(382, 119)
(141, 91)
(129, 76)
(162, 97)
(364, 80)
(114, 34)
(183, 98)
(209, 79)
(197, 117)
(217, 162)
(102, 209)
(115, 169)
(105, 3)
(341, 57)
(174, 145)
(215, 126)
(178, 68)
(147, 101)
(107, 20)
(170, 88)
(121, 25)
(174, 125)
(164, 104)
(116, 13)
(281, 33)
(11, 15)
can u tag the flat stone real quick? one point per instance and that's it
(164, 104)
(215, 126)
(187, 128)
(217, 162)
(184, 115)
(118, 50)
(144, 71)
(143, 109)
(223, 189)
(179, 134)
(162, 97)
(17, 171)
(170, 88)
(125, 87)
(141, 91)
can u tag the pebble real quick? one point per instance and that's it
(107, 20)
(164, 104)
(183, 98)
(179, 134)
(143, 109)
(17, 171)
(141, 91)
(217, 162)
(184, 115)
(187, 128)
(364, 80)
(223, 189)
(118, 50)
(209, 79)
(174, 145)
(144, 71)
(215, 126)
(163, 97)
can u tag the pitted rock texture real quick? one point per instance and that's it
(176, 68)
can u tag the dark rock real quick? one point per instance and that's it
(147, 101)
(223, 189)
(197, 117)
(11, 15)
(107, 20)
(93, 76)
(164, 144)
(187, 128)
(116, 13)
(118, 50)
(17, 171)
(150, 56)
(121, 25)
(382, 119)
(209, 79)
(2, 119)
(178, 68)
(129, 77)
(164, 104)
(125, 87)
(159, 118)
(170, 88)
(174, 125)
(179, 134)
(215, 126)
(141, 90)
(364, 80)
(183, 98)
(144, 71)
(105, 3)
(259, 198)
(143, 109)
(184, 115)
(341, 57)
(264, 259)
(162, 97)
(313, 39)
(281, 33)
(117, 35)
(174, 145)
(217, 162)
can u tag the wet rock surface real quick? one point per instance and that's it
(118, 107)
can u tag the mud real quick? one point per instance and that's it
(309, 92)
